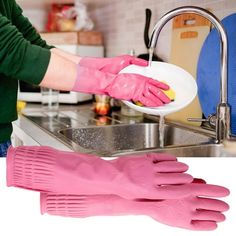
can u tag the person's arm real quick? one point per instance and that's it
(71, 57)
(61, 73)
(101, 76)
(31, 63)
(29, 32)
(26, 28)
(22, 60)
(19, 58)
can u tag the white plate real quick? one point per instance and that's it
(178, 79)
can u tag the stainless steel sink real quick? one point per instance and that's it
(81, 131)
(199, 150)
(114, 140)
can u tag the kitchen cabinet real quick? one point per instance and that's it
(21, 138)
(79, 37)
(43, 3)
(83, 43)
(31, 3)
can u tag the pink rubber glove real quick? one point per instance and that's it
(102, 78)
(194, 213)
(112, 65)
(49, 170)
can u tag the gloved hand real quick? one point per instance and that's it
(112, 65)
(99, 76)
(49, 170)
(192, 212)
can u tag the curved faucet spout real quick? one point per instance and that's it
(223, 112)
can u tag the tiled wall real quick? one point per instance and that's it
(122, 22)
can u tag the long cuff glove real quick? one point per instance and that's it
(195, 213)
(48, 170)
(112, 65)
(120, 86)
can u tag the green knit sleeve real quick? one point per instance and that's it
(26, 28)
(19, 58)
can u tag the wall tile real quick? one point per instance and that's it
(122, 21)
(126, 19)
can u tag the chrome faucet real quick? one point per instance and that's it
(223, 111)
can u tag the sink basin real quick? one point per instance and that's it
(82, 131)
(114, 140)
(200, 150)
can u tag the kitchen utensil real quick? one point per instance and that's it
(178, 79)
(188, 34)
(208, 71)
(145, 56)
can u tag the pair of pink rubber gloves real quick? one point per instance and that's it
(101, 76)
(81, 185)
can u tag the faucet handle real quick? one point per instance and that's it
(211, 119)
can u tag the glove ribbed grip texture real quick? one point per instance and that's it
(26, 167)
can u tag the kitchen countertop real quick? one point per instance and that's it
(40, 136)
(20, 210)
(38, 127)
(43, 128)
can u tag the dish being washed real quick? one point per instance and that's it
(179, 80)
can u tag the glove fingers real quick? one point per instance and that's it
(203, 225)
(208, 190)
(180, 191)
(208, 215)
(172, 178)
(150, 102)
(159, 84)
(211, 204)
(170, 166)
(161, 157)
(157, 92)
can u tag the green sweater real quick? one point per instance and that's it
(23, 56)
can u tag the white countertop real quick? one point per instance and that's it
(20, 213)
